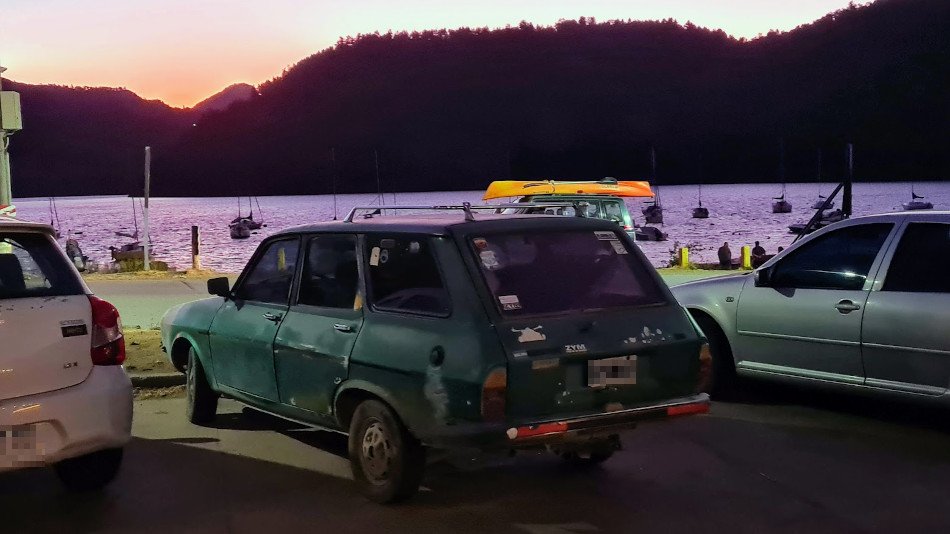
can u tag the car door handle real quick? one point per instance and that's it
(846, 306)
(345, 328)
(273, 317)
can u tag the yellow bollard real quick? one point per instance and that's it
(684, 258)
(747, 257)
(281, 260)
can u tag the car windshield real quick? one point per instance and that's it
(539, 273)
(30, 266)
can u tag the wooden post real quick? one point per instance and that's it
(684, 258)
(746, 257)
(195, 249)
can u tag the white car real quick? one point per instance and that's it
(65, 400)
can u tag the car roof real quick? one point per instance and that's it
(9, 223)
(917, 215)
(452, 223)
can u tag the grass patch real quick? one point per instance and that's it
(143, 353)
(157, 275)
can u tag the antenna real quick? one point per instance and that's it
(379, 188)
(846, 199)
(333, 172)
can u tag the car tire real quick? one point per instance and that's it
(89, 472)
(202, 401)
(386, 460)
(724, 378)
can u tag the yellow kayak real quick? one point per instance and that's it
(516, 188)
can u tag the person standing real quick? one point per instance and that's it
(725, 256)
(758, 255)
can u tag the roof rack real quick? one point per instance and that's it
(468, 208)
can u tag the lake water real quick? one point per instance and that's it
(739, 214)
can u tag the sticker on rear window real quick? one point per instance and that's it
(618, 247)
(489, 260)
(374, 257)
(509, 302)
(605, 236)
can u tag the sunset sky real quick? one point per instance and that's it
(181, 51)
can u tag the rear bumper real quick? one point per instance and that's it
(48, 427)
(565, 430)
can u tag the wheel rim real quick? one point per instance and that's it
(378, 453)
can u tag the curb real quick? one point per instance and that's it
(165, 380)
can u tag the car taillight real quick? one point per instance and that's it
(705, 369)
(494, 390)
(627, 227)
(108, 344)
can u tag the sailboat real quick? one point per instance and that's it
(821, 202)
(915, 202)
(653, 212)
(700, 212)
(249, 220)
(781, 205)
(133, 250)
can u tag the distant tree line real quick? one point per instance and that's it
(455, 109)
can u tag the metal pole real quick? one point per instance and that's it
(148, 165)
(195, 248)
(6, 193)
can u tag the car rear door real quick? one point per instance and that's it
(316, 337)
(807, 322)
(44, 317)
(906, 340)
(243, 331)
(586, 324)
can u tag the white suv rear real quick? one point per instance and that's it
(65, 399)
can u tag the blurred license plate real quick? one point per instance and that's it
(17, 442)
(612, 371)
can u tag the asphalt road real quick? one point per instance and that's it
(768, 463)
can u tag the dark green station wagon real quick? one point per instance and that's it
(451, 331)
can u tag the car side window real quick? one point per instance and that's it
(613, 211)
(330, 273)
(840, 259)
(404, 277)
(270, 278)
(920, 262)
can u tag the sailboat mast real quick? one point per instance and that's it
(656, 187)
(148, 178)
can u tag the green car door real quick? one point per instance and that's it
(243, 331)
(805, 320)
(316, 337)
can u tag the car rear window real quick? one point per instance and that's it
(560, 272)
(30, 266)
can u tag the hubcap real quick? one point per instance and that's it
(378, 452)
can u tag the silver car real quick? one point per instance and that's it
(862, 304)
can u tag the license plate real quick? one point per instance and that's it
(17, 444)
(619, 371)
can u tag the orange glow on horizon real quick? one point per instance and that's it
(183, 51)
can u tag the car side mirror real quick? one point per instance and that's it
(763, 277)
(219, 287)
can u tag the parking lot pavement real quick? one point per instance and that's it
(770, 463)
